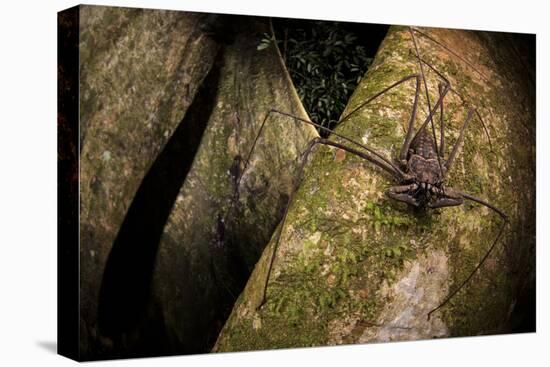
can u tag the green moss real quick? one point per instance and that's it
(344, 240)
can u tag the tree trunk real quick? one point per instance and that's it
(353, 266)
(221, 222)
(170, 103)
(134, 91)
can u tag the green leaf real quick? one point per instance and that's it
(262, 46)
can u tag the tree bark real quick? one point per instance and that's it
(135, 88)
(353, 266)
(170, 103)
(221, 222)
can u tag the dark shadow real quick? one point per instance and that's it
(49, 346)
(67, 181)
(524, 316)
(125, 289)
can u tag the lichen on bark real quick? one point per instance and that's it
(352, 265)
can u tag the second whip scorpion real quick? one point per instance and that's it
(420, 169)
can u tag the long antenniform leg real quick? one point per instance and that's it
(441, 152)
(452, 52)
(456, 93)
(307, 152)
(452, 156)
(385, 163)
(410, 125)
(378, 159)
(504, 217)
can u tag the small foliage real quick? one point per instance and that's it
(265, 42)
(326, 61)
(381, 216)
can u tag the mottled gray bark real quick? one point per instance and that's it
(354, 266)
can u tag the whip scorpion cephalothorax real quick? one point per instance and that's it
(421, 167)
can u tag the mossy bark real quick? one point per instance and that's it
(220, 224)
(170, 104)
(139, 72)
(354, 266)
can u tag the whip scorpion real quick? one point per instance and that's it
(420, 169)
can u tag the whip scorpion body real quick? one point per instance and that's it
(420, 168)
